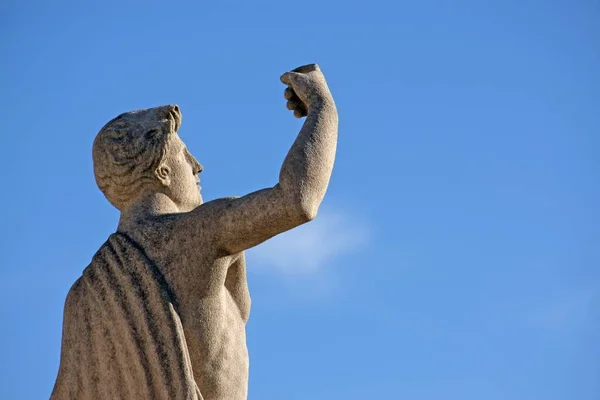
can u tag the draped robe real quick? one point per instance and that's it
(122, 334)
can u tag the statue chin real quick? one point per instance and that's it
(196, 202)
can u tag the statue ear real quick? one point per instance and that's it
(163, 174)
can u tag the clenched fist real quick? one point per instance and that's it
(306, 87)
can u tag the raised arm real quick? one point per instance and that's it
(249, 220)
(307, 168)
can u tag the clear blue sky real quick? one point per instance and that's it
(457, 253)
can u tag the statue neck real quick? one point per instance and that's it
(147, 206)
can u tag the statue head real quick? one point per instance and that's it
(140, 152)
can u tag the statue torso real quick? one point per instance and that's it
(212, 299)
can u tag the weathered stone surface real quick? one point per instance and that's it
(161, 311)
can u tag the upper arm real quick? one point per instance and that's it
(237, 224)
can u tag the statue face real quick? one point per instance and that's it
(179, 173)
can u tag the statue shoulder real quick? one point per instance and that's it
(216, 204)
(202, 221)
(220, 201)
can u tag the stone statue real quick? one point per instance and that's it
(161, 311)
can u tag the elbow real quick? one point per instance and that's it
(300, 207)
(306, 211)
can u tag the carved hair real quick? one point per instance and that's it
(129, 149)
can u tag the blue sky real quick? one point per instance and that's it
(457, 253)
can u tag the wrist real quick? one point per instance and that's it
(321, 101)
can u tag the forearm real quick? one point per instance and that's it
(307, 167)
